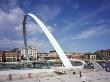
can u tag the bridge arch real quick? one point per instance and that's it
(53, 41)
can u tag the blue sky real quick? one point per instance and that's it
(78, 25)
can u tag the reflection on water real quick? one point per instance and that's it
(33, 65)
(105, 65)
(76, 63)
(48, 65)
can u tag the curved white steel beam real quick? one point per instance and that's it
(55, 44)
(53, 41)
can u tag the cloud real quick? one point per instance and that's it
(32, 29)
(11, 24)
(13, 16)
(8, 4)
(75, 6)
(40, 44)
(11, 31)
(47, 12)
(6, 43)
(86, 18)
(10, 20)
(95, 31)
(12, 3)
(86, 34)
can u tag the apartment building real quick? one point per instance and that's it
(32, 53)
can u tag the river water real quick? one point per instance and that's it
(105, 65)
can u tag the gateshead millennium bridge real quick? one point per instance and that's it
(63, 57)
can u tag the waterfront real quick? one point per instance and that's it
(80, 27)
(43, 65)
(100, 76)
(90, 73)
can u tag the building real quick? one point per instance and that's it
(32, 52)
(10, 56)
(77, 55)
(103, 54)
(48, 56)
(92, 57)
(89, 56)
(2, 57)
(69, 55)
(53, 54)
(42, 56)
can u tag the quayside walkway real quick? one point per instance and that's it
(100, 76)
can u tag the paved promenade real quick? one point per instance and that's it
(101, 76)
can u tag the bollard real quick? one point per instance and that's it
(37, 78)
(94, 70)
(29, 75)
(80, 74)
(10, 77)
(74, 73)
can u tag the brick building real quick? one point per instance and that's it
(10, 56)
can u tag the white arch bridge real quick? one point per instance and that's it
(53, 41)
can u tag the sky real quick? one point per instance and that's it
(77, 25)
